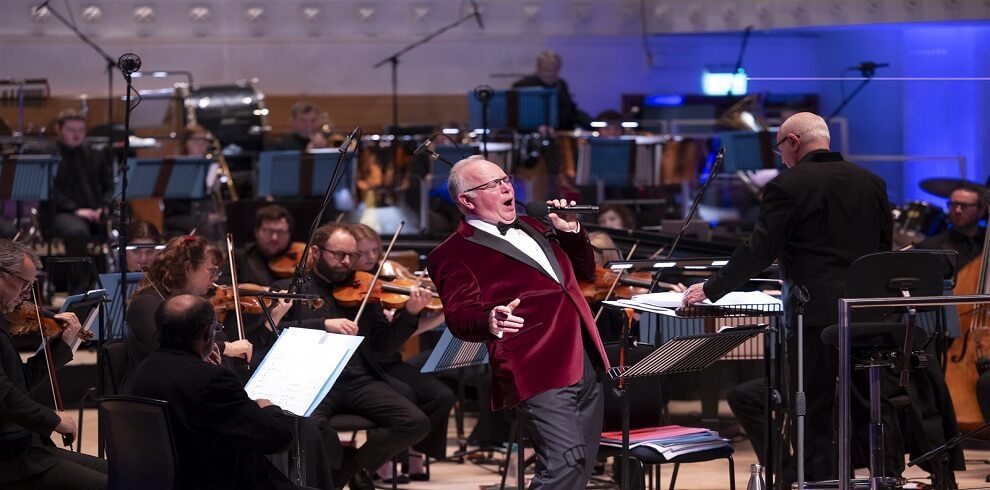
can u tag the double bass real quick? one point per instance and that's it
(969, 355)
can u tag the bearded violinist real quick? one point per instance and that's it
(28, 459)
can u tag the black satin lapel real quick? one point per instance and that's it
(545, 246)
(486, 239)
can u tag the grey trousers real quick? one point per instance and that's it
(565, 425)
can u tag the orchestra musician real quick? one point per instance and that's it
(616, 217)
(305, 134)
(183, 215)
(221, 435)
(188, 265)
(141, 233)
(363, 388)
(272, 236)
(430, 394)
(816, 219)
(547, 75)
(83, 189)
(967, 206)
(28, 459)
(503, 282)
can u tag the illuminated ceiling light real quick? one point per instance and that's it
(420, 12)
(364, 14)
(530, 11)
(199, 14)
(144, 14)
(311, 14)
(254, 14)
(40, 14)
(92, 13)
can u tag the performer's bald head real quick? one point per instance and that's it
(801, 134)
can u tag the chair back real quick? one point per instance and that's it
(115, 357)
(878, 275)
(140, 448)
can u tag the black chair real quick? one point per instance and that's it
(115, 357)
(140, 448)
(647, 401)
(878, 335)
(345, 422)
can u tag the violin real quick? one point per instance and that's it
(393, 295)
(284, 265)
(222, 298)
(630, 284)
(24, 320)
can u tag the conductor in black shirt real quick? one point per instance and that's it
(547, 75)
(221, 435)
(817, 217)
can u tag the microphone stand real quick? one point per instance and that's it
(296, 283)
(393, 60)
(111, 65)
(868, 71)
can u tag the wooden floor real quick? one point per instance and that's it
(707, 476)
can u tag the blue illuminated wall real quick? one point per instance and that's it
(886, 118)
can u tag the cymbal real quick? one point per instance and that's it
(943, 187)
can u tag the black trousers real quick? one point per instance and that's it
(401, 424)
(434, 398)
(74, 471)
(565, 425)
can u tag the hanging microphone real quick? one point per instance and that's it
(483, 93)
(129, 63)
(539, 209)
(477, 14)
(868, 68)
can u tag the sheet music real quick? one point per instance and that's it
(669, 299)
(87, 318)
(301, 368)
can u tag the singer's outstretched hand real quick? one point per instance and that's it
(563, 221)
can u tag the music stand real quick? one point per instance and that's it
(28, 178)
(115, 320)
(167, 178)
(293, 173)
(523, 108)
(89, 307)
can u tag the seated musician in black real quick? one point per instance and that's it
(363, 388)
(305, 134)
(967, 206)
(28, 459)
(221, 435)
(188, 265)
(548, 76)
(430, 394)
(82, 192)
(272, 236)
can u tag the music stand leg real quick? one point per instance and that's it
(520, 458)
(625, 433)
(513, 431)
(800, 408)
(769, 436)
(876, 430)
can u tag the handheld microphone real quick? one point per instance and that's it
(129, 63)
(539, 209)
(477, 14)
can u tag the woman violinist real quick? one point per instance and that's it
(27, 461)
(189, 264)
(430, 394)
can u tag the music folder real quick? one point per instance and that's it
(301, 368)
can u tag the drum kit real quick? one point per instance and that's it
(918, 220)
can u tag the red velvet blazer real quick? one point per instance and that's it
(475, 272)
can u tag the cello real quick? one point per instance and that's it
(969, 355)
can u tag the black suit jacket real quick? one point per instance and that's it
(816, 219)
(220, 434)
(25, 424)
(252, 267)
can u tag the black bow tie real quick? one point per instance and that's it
(504, 227)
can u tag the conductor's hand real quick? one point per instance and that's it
(66, 425)
(501, 319)
(342, 326)
(264, 402)
(563, 222)
(239, 348)
(70, 326)
(694, 294)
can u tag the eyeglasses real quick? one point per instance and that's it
(341, 255)
(776, 147)
(217, 327)
(491, 184)
(215, 271)
(960, 204)
(27, 283)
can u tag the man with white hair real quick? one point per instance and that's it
(547, 75)
(816, 219)
(512, 283)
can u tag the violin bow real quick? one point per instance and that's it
(50, 364)
(615, 282)
(151, 280)
(234, 286)
(381, 265)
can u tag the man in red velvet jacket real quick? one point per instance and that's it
(504, 282)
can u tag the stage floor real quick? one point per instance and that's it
(700, 476)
